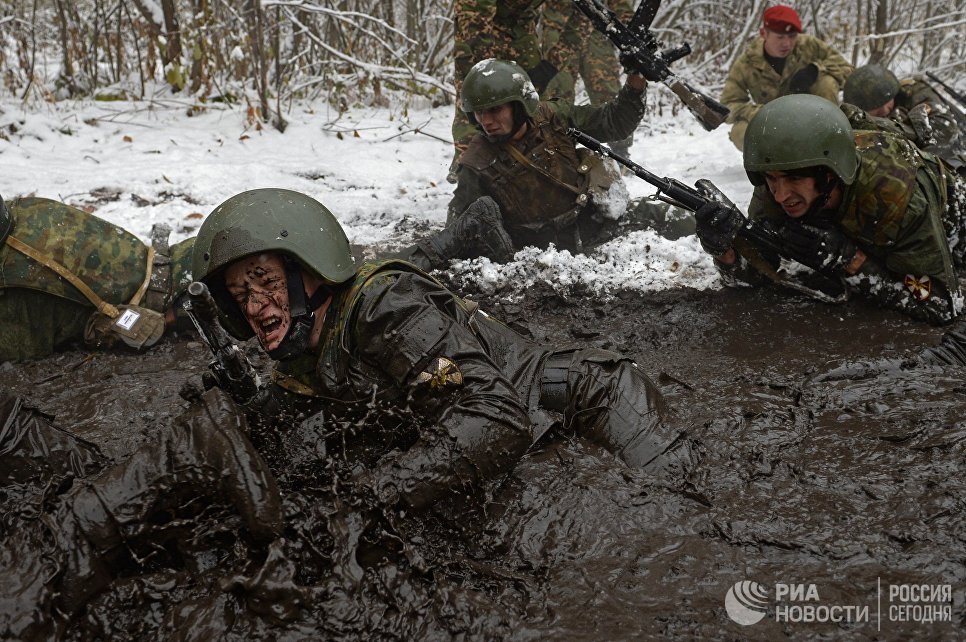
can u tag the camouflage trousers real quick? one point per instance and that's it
(490, 29)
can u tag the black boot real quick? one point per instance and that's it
(205, 454)
(478, 231)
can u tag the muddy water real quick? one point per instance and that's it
(843, 486)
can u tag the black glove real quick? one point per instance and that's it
(653, 70)
(825, 250)
(542, 74)
(718, 221)
(716, 225)
(803, 79)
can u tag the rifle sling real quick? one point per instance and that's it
(518, 155)
(102, 306)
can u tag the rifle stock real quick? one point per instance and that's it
(641, 52)
(230, 366)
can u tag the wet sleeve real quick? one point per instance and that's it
(614, 120)
(936, 305)
(469, 187)
(415, 332)
(735, 95)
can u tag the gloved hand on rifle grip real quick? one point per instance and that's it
(652, 70)
(718, 221)
(825, 250)
(803, 79)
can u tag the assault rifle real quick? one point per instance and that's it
(230, 368)
(641, 51)
(751, 237)
(961, 99)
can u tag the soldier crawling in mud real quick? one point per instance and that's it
(71, 522)
(867, 210)
(784, 61)
(911, 107)
(522, 181)
(347, 337)
(66, 275)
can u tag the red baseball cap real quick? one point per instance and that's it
(782, 19)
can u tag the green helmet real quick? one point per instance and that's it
(870, 87)
(269, 220)
(796, 132)
(493, 82)
(6, 221)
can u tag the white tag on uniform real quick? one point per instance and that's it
(128, 319)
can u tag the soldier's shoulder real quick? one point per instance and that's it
(750, 56)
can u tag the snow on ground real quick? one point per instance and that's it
(140, 163)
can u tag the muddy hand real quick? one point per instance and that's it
(216, 442)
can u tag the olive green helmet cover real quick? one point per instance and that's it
(6, 221)
(493, 82)
(796, 132)
(870, 87)
(269, 220)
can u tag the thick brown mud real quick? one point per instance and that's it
(852, 486)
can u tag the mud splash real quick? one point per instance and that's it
(846, 485)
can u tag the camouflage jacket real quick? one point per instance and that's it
(39, 310)
(752, 82)
(546, 202)
(396, 339)
(895, 213)
(109, 259)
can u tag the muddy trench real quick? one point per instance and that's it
(847, 486)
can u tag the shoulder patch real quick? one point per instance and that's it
(920, 288)
(442, 372)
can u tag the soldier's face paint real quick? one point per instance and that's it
(794, 193)
(496, 121)
(884, 110)
(778, 45)
(258, 285)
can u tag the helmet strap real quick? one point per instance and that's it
(825, 184)
(301, 311)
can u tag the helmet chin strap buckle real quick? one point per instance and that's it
(296, 340)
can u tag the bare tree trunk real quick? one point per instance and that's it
(877, 46)
(171, 53)
(33, 50)
(67, 72)
(199, 62)
(256, 20)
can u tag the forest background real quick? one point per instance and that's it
(264, 55)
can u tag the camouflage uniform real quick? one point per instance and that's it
(905, 211)
(394, 337)
(39, 310)
(570, 43)
(491, 29)
(552, 200)
(752, 82)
